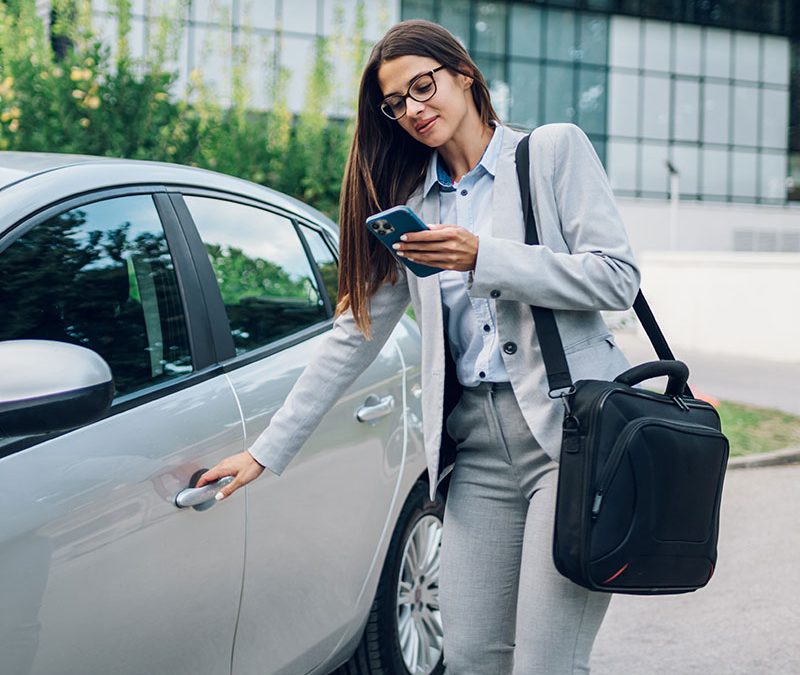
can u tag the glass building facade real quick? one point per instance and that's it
(707, 88)
(710, 88)
(266, 35)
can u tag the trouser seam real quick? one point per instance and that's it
(496, 419)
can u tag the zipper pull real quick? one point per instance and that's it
(681, 403)
(598, 499)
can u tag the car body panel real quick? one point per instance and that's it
(315, 538)
(101, 572)
(312, 532)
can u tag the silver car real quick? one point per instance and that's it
(152, 319)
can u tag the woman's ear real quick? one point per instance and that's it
(466, 80)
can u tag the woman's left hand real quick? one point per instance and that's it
(450, 247)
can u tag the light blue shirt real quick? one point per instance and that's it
(471, 323)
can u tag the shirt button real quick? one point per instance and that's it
(487, 327)
(495, 293)
(509, 348)
(482, 374)
(463, 193)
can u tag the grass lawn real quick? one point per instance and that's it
(751, 429)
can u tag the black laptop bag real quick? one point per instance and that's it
(640, 472)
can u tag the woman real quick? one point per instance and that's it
(427, 135)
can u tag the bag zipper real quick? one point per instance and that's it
(609, 469)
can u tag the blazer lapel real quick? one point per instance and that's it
(430, 291)
(507, 221)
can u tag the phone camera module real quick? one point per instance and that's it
(382, 227)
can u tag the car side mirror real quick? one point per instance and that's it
(50, 386)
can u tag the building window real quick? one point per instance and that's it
(712, 102)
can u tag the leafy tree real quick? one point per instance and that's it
(75, 92)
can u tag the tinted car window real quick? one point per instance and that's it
(326, 262)
(100, 276)
(264, 275)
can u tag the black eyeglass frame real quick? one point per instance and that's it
(408, 93)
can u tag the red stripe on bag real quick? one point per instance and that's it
(614, 576)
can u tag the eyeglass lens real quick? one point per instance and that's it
(421, 90)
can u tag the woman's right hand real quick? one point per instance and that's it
(241, 466)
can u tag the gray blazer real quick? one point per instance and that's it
(583, 264)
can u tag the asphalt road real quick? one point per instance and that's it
(747, 620)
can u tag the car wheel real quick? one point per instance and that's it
(403, 635)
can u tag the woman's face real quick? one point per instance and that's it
(432, 122)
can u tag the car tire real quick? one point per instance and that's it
(380, 651)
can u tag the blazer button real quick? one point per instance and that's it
(509, 347)
(495, 293)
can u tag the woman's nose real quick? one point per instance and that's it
(414, 108)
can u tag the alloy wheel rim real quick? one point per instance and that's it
(419, 623)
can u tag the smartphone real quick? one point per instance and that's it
(388, 225)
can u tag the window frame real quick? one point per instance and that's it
(194, 310)
(218, 316)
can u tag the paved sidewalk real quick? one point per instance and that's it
(746, 621)
(763, 383)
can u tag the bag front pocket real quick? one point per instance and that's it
(658, 495)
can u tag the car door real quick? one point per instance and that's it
(313, 532)
(100, 572)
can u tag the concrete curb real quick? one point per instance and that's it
(774, 458)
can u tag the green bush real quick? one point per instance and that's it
(93, 98)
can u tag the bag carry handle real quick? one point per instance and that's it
(555, 361)
(677, 371)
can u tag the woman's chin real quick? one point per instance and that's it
(433, 139)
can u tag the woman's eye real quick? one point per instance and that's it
(422, 88)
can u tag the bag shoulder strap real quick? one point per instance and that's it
(555, 361)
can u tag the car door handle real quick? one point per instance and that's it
(375, 407)
(201, 498)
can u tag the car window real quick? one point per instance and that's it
(266, 280)
(326, 262)
(100, 276)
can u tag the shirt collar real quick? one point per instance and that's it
(437, 173)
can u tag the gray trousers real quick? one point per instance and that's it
(505, 609)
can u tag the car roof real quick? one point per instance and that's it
(25, 173)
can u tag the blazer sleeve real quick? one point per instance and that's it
(344, 353)
(600, 271)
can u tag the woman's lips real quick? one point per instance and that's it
(424, 128)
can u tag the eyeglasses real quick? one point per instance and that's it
(421, 89)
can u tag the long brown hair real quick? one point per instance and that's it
(386, 164)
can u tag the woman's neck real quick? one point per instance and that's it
(465, 149)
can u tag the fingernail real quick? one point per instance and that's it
(395, 246)
(219, 496)
(403, 237)
(401, 254)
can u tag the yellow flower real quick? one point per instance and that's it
(13, 126)
(5, 116)
(89, 61)
(7, 83)
(15, 112)
(84, 122)
(161, 96)
(77, 93)
(57, 72)
(44, 74)
(92, 102)
(79, 74)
